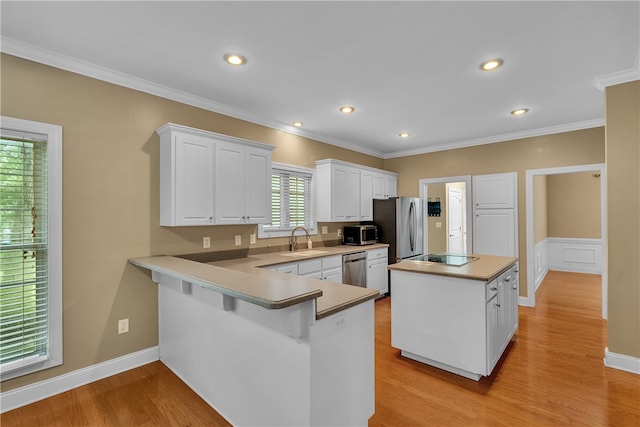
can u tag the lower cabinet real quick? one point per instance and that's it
(377, 274)
(502, 314)
(326, 268)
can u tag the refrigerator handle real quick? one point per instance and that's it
(412, 226)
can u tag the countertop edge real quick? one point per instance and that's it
(269, 304)
(336, 309)
(407, 266)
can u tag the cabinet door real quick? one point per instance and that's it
(257, 186)
(332, 275)
(194, 191)
(346, 193)
(366, 196)
(512, 301)
(390, 186)
(504, 328)
(496, 191)
(493, 353)
(378, 186)
(230, 183)
(494, 232)
(377, 276)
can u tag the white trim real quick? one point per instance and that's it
(47, 57)
(54, 239)
(621, 362)
(624, 76)
(588, 124)
(22, 396)
(575, 255)
(541, 264)
(530, 174)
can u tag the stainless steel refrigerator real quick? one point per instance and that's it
(400, 224)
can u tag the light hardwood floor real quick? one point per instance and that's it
(552, 374)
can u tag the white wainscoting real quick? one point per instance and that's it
(22, 396)
(575, 255)
(541, 261)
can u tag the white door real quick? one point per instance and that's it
(454, 220)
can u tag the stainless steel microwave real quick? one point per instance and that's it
(359, 234)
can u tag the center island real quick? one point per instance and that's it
(456, 318)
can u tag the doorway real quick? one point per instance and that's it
(574, 250)
(446, 204)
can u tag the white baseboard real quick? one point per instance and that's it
(575, 255)
(22, 396)
(621, 362)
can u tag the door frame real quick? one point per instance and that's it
(530, 174)
(423, 197)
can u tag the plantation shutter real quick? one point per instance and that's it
(23, 249)
(291, 204)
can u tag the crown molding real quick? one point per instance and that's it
(499, 138)
(67, 63)
(632, 74)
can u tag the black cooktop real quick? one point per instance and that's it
(447, 259)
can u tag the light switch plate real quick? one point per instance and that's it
(206, 242)
(238, 239)
(325, 229)
(123, 326)
(438, 225)
(252, 239)
(339, 232)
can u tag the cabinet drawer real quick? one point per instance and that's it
(332, 262)
(492, 288)
(288, 268)
(306, 267)
(377, 253)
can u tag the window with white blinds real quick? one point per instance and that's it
(291, 201)
(30, 286)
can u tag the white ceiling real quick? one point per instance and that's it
(405, 66)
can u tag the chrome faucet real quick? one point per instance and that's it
(293, 240)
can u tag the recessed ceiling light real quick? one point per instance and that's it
(491, 64)
(519, 111)
(404, 134)
(235, 59)
(347, 109)
(297, 124)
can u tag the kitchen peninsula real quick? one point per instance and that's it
(457, 318)
(267, 348)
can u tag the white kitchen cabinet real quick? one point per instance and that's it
(493, 346)
(495, 191)
(186, 178)
(332, 268)
(325, 268)
(243, 184)
(502, 314)
(495, 232)
(377, 274)
(345, 191)
(291, 268)
(384, 185)
(208, 178)
(366, 195)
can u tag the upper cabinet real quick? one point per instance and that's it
(497, 191)
(345, 191)
(208, 178)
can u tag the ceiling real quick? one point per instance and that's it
(405, 66)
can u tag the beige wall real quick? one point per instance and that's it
(573, 202)
(540, 208)
(549, 151)
(623, 217)
(111, 198)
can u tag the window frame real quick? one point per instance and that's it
(54, 355)
(313, 230)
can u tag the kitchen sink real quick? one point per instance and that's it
(310, 252)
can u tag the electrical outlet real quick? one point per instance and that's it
(123, 326)
(252, 239)
(206, 242)
(339, 232)
(238, 239)
(325, 229)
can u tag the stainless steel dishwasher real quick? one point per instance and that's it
(354, 269)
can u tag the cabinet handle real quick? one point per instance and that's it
(497, 305)
(508, 279)
(514, 287)
(494, 289)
